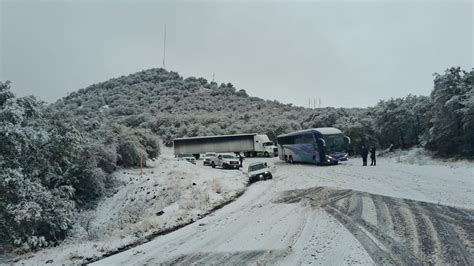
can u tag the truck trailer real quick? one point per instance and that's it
(251, 145)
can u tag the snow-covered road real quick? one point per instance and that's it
(345, 214)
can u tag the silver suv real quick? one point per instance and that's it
(208, 157)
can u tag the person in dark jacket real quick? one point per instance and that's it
(372, 156)
(241, 159)
(364, 152)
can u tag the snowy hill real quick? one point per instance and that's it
(170, 194)
(173, 106)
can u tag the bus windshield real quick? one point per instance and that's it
(335, 143)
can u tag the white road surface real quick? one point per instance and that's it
(393, 213)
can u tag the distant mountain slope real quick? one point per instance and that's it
(175, 107)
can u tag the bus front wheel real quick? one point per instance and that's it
(290, 160)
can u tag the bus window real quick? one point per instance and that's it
(286, 140)
(304, 139)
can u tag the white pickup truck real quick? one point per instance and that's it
(226, 161)
(260, 171)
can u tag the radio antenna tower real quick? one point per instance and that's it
(164, 48)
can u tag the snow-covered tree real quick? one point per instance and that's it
(452, 129)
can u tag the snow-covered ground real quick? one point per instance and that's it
(394, 213)
(406, 209)
(415, 177)
(170, 193)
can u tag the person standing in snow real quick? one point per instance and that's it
(241, 159)
(372, 156)
(364, 153)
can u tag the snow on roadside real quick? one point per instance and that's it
(420, 156)
(416, 176)
(169, 194)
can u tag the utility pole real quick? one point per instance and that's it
(213, 75)
(164, 48)
(314, 103)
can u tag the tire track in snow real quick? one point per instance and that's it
(451, 248)
(217, 258)
(407, 231)
(378, 254)
(384, 220)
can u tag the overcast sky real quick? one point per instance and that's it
(348, 53)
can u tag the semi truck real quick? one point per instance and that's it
(250, 145)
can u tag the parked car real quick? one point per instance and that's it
(208, 157)
(259, 171)
(226, 161)
(187, 157)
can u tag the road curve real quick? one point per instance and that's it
(309, 214)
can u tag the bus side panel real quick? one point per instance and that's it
(300, 153)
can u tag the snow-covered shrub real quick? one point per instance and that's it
(107, 157)
(129, 151)
(34, 215)
(149, 141)
(91, 184)
(5, 92)
(44, 171)
(134, 144)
